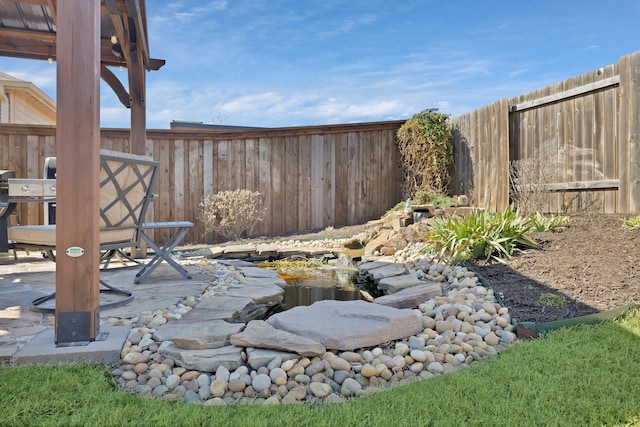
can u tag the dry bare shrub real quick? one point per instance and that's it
(232, 214)
(582, 202)
(528, 180)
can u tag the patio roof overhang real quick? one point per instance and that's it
(28, 30)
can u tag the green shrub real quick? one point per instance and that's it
(232, 214)
(426, 152)
(480, 235)
(540, 222)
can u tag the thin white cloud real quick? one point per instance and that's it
(348, 25)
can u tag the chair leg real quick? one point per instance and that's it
(163, 254)
(128, 297)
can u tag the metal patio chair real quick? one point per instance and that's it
(126, 186)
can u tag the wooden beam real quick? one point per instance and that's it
(121, 30)
(134, 11)
(28, 34)
(36, 2)
(53, 8)
(115, 84)
(137, 89)
(78, 153)
(603, 184)
(566, 94)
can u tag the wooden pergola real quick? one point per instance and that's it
(84, 37)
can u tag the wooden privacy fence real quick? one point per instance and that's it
(310, 177)
(587, 127)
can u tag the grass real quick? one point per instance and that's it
(582, 376)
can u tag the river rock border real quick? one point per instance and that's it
(463, 323)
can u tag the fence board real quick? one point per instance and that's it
(624, 131)
(291, 189)
(265, 180)
(634, 134)
(329, 173)
(610, 137)
(304, 182)
(317, 186)
(342, 177)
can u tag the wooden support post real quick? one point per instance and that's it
(137, 90)
(137, 102)
(78, 156)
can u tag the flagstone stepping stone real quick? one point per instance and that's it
(348, 325)
(220, 307)
(396, 283)
(261, 291)
(208, 360)
(384, 271)
(259, 333)
(411, 297)
(193, 334)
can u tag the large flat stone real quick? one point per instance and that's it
(203, 360)
(239, 251)
(220, 307)
(260, 290)
(194, 334)
(370, 265)
(411, 297)
(387, 270)
(396, 283)
(348, 325)
(258, 272)
(260, 334)
(266, 250)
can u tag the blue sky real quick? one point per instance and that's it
(278, 63)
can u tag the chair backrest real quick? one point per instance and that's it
(126, 186)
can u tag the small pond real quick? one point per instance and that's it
(311, 280)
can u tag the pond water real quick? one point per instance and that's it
(315, 281)
(320, 284)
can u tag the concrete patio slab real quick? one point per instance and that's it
(43, 350)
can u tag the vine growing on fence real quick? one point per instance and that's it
(426, 152)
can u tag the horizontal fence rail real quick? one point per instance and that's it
(310, 177)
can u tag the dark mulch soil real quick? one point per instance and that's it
(593, 263)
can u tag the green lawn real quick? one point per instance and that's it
(587, 375)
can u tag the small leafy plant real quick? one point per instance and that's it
(552, 300)
(425, 197)
(232, 214)
(480, 235)
(632, 223)
(428, 197)
(540, 222)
